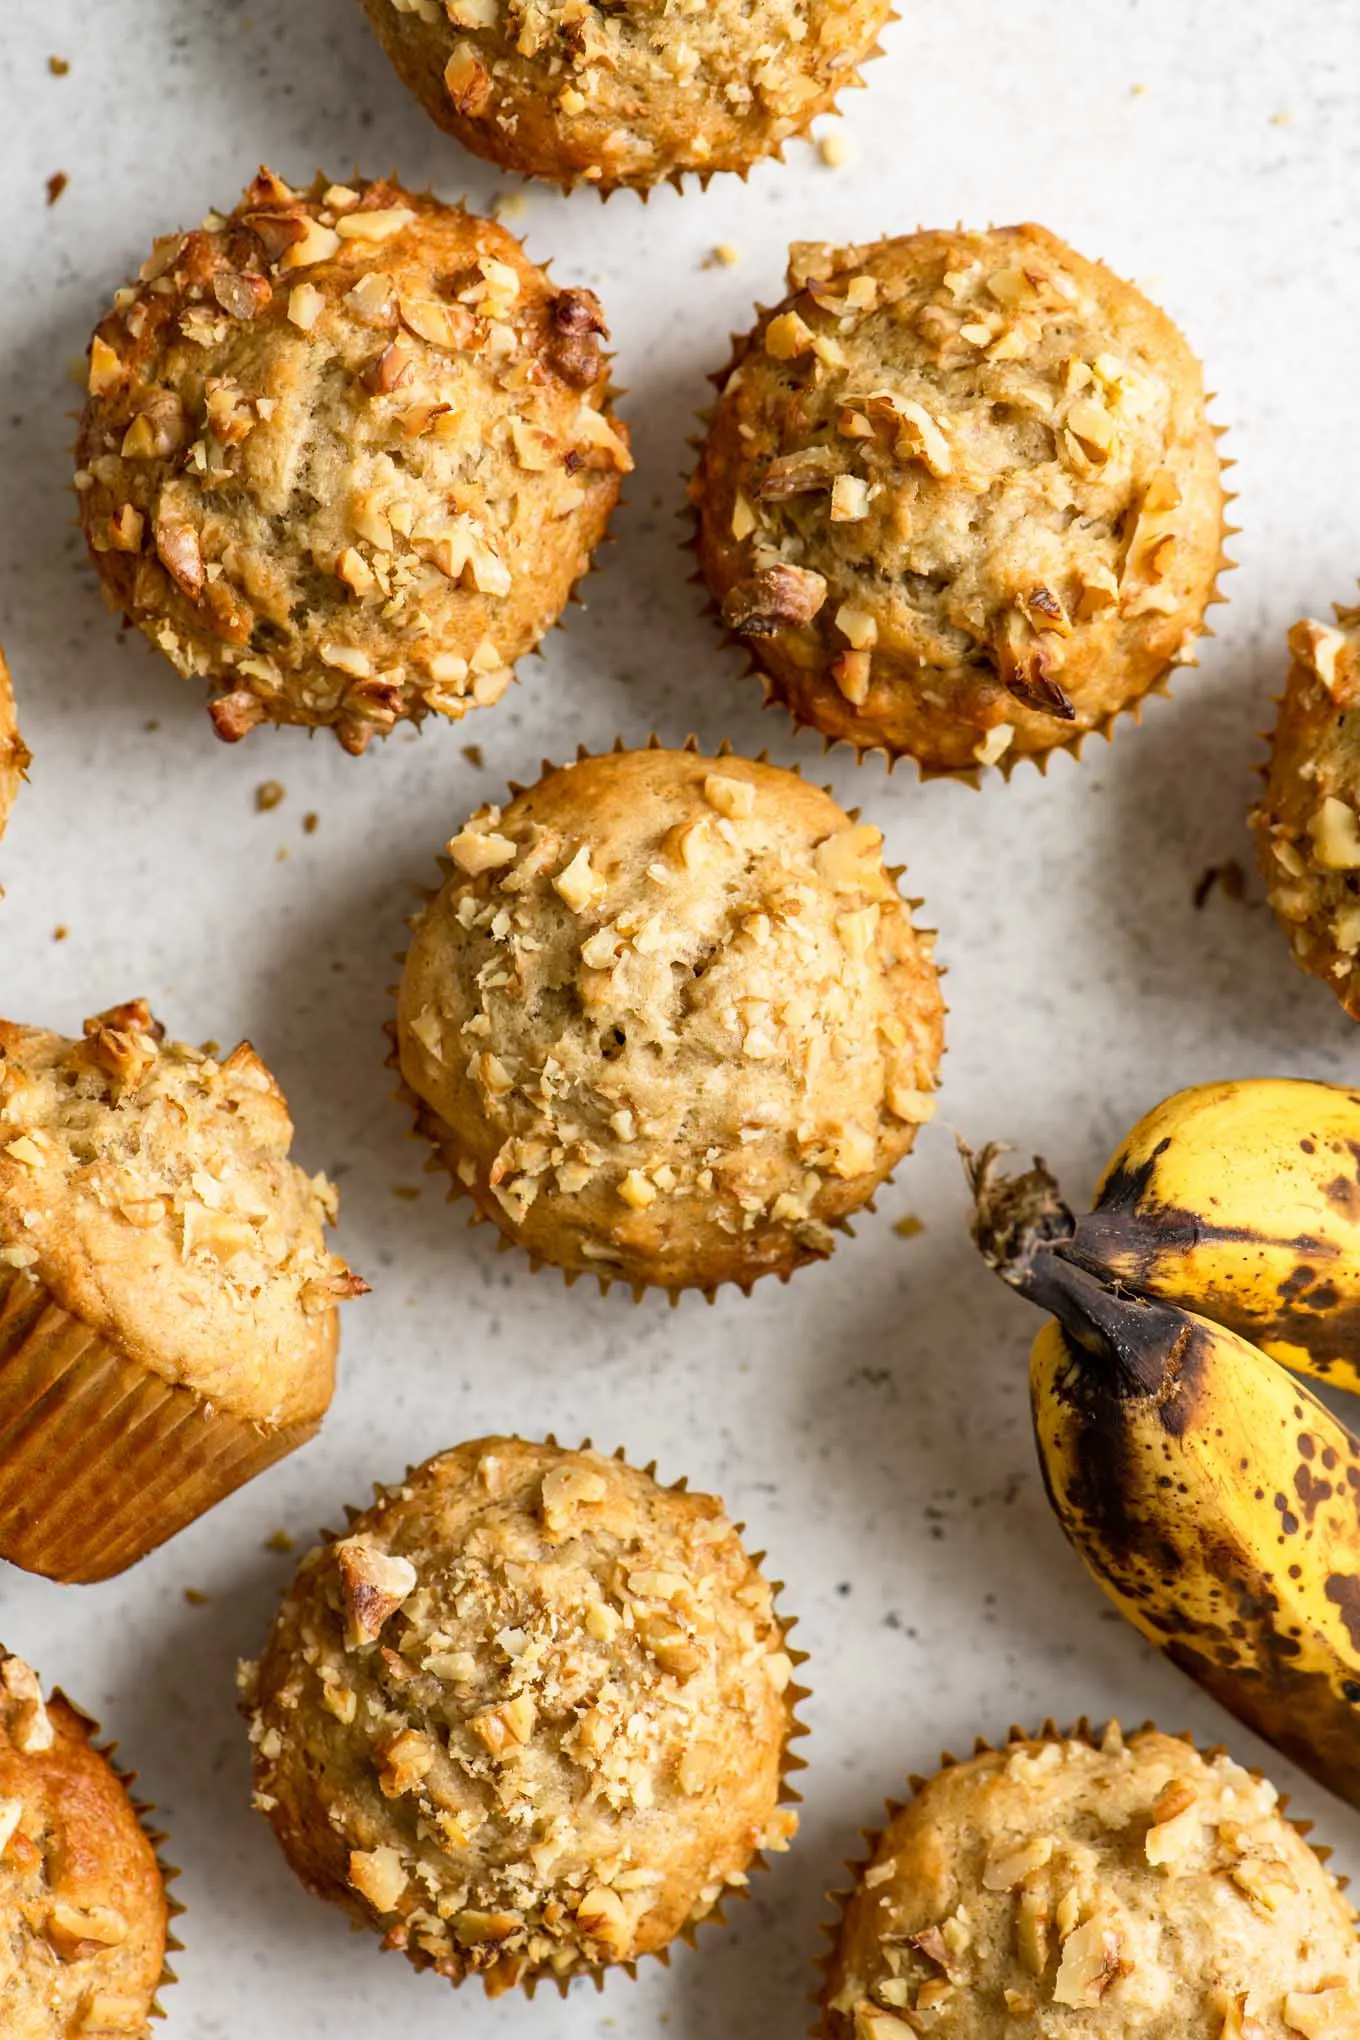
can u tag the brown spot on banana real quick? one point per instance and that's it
(1343, 1591)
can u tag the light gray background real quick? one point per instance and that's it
(869, 1422)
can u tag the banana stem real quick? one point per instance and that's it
(1023, 1230)
(1016, 1220)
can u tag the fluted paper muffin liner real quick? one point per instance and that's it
(159, 1840)
(431, 1131)
(1049, 1731)
(101, 1460)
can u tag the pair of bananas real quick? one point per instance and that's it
(1213, 1497)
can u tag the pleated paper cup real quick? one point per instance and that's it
(101, 1460)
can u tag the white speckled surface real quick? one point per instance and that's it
(869, 1422)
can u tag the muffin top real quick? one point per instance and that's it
(960, 495)
(1077, 1892)
(147, 1186)
(82, 1902)
(627, 95)
(669, 1017)
(344, 454)
(1308, 823)
(529, 1716)
(13, 756)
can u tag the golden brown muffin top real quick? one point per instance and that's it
(82, 1903)
(960, 494)
(529, 1716)
(345, 452)
(627, 96)
(1083, 1893)
(669, 1017)
(13, 755)
(147, 1186)
(1308, 823)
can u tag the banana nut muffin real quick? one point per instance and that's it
(615, 96)
(83, 1909)
(1134, 1891)
(668, 1020)
(960, 496)
(345, 453)
(529, 1718)
(167, 1301)
(1308, 823)
(13, 756)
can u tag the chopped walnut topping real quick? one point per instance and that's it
(11, 1813)
(788, 336)
(849, 500)
(106, 370)
(1238, 2022)
(177, 547)
(1332, 656)
(1177, 1825)
(873, 2023)
(773, 597)
(106, 2013)
(1091, 1962)
(379, 224)
(1335, 831)
(124, 1043)
(77, 1932)
(379, 1876)
(305, 305)
(577, 883)
(373, 1585)
(31, 1729)
(467, 80)
(508, 1726)
(601, 1918)
(1010, 1867)
(1332, 2013)
(850, 858)
(577, 324)
(566, 1491)
(474, 850)
(735, 798)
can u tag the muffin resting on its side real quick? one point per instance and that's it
(960, 496)
(345, 454)
(626, 95)
(82, 1901)
(13, 756)
(1088, 1893)
(529, 1718)
(669, 1020)
(1308, 822)
(167, 1301)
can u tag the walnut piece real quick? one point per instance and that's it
(373, 1586)
(758, 607)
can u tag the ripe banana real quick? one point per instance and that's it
(1211, 1496)
(1242, 1201)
